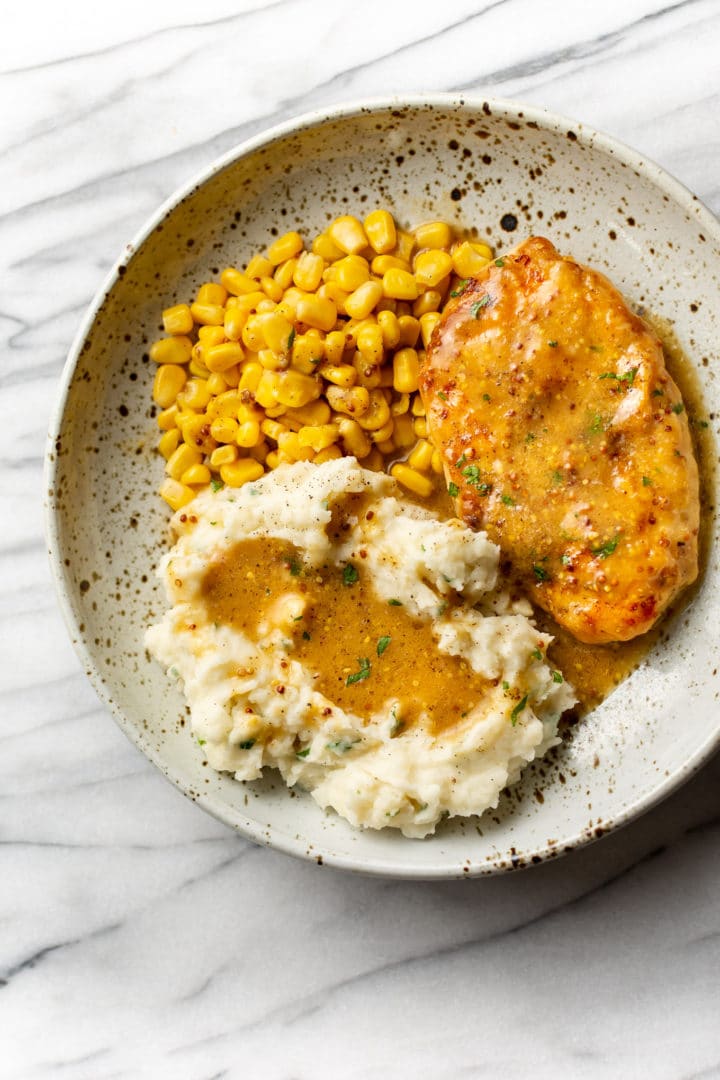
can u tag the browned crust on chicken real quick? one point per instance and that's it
(564, 436)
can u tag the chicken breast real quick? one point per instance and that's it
(564, 436)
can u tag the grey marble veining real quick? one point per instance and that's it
(138, 937)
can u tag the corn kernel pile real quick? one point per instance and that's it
(306, 355)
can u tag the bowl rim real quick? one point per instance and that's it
(508, 108)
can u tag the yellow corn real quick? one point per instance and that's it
(309, 271)
(167, 418)
(388, 323)
(436, 463)
(370, 344)
(217, 384)
(248, 434)
(250, 376)
(355, 401)
(343, 375)
(330, 453)
(354, 439)
(196, 433)
(177, 319)
(258, 267)
(427, 302)
(433, 234)
(196, 475)
(334, 348)
(225, 404)
(223, 455)
(314, 311)
(319, 437)
(208, 314)
(238, 283)
(295, 389)
(307, 352)
(195, 395)
(400, 405)
(350, 273)
(380, 231)
(330, 290)
(399, 284)
(266, 390)
(231, 376)
(241, 472)
(212, 293)
(285, 247)
(272, 429)
(326, 248)
(409, 330)
(273, 459)
(382, 263)
(364, 299)
(168, 443)
(181, 459)
(173, 350)
(377, 413)
(417, 408)
(169, 381)
(432, 266)
(404, 430)
(383, 434)
(428, 322)
(420, 426)
(273, 292)
(348, 234)
(317, 412)
(420, 457)
(175, 494)
(412, 479)
(221, 357)
(367, 373)
(289, 446)
(224, 429)
(277, 331)
(252, 336)
(469, 259)
(406, 371)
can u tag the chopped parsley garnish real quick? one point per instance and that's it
(646, 481)
(398, 725)
(557, 677)
(517, 710)
(628, 377)
(536, 654)
(341, 746)
(566, 560)
(508, 500)
(505, 685)
(678, 407)
(294, 567)
(453, 490)
(383, 643)
(201, 742)
(442, 608)
(460, 287)
(306, 636)
(363, 673)
(472, 474)
(657, 392)
(499, 262)
(558, 477)
(606, 549)
(596, 423)
(477, 307)
(395, 603)
(216, 483)
(350, 574)
(247, 744)
(443, 397)
(486, 397)
(540, 573)
(303, 753)
(291, 338)
(530, 437)
(552, 344)
(460, 461)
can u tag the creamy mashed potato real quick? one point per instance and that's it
(323, 625)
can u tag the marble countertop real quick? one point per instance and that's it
(138, 936)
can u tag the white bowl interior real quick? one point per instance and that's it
(484, 167)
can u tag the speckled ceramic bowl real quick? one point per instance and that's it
(507, 171)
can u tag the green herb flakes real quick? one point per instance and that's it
(505, 686)
(460, 287)
(477, 307)
(460, 461)
(536, 654)
(443, 397)
(350, 574)
(552, 344)
(499, 262)
(383, 643)
(303, 753)
(294, 566)
(646, 481)
(678, 407)
(306, 636)
(607, 549)
(247, 744)
(508, 500)
(557, 677)
(216, 483)
(341, 746)
(395, 603)
(363, 673)
(201, 742)
(517, 710)
(453, 490)
(540, 573)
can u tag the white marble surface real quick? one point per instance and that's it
(138, 937)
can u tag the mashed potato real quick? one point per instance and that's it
(325, 626)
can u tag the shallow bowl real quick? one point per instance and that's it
(505, 170)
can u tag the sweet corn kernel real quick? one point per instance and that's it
(278, 332)
(309, 271)
(330, 290)
(348, 234)
(317, 412)
(307, 352)
(319, 436)
(272, 429)
(409, 330)
(380, 231)
(196, 475)
(177, 319)
(412, 480)
(330, 453)
(167, 418)
(406, 371)
(169, 381)
(219, 358)
(367, 373)
(237, 283)
(404, 431)
(195, 395)
(388, 323)
(212, 293)
(296, 389)
(266, 390)
(285, 273)
(355, 401)
(437, 463)
(351, 272)
(181, 459)
(433, 234)
(217, 384)
(400, 405)
(250, 376)
(289, 446)
(241, 472)
(417, 407)
(223, 455)
(317, 312)
(248, 302)
(326, 248)
(382, 263)
(370, 344)
(343, 375)
(432, 266)
(377, 413)
(196, 433)
(364, 299)
(248, 434)
(469, 259)
(428, 322)
(225, 404)
(224, 429)
(285, 247)
(258, 267)
(175, 494)
(168, 442)
(399, 284)
(273, 290)
(208, 314)
(384, 433)
(252, 336)
(334, 348)
(172, 350)
(420, 426)
(354, 439)
(420, 457)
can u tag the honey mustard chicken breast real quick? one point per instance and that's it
(564, 437)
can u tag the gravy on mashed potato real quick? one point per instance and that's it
(324, 625)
